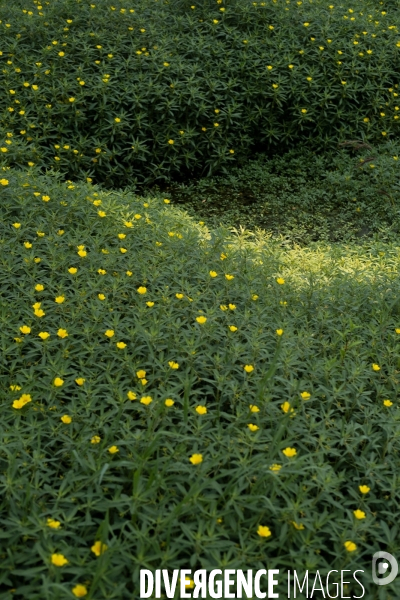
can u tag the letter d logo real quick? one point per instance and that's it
(382, 568)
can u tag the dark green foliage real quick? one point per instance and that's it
(304, 196)
(339, 311)
(197, 60)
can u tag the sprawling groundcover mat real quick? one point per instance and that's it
(174, 397)
(140, 91)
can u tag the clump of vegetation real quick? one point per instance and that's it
(303, 196)
(168, 389)
(135, 94)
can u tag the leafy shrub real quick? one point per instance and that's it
(86, 456)
(137, 93)
(303, 196)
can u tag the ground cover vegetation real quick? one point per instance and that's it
(141, 92)
(176, 393)
(303, 196)
(174, 396)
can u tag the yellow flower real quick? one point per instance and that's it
(82, 253)
(128, 224)
(286, 407)
(146, 400)
(388, 403)
(113, 449)
(27, 245)
(15, 388)
(131, 395)
(66, 419)
(279, 331)
(80, 381)
(43, 335)
(98, 548)
(123, 250)
(101, 296)
(201, 320)
(359, 514)
(53, 523)
(72, 270)
(59, 299)
(121, 345)
(289, 452)
(39, 287)
(264, 531)
(173, 365)
(142, 290)
(45, 198)
(129, 273)
(305, 395)
(24, 399)
(213, 274)
(376, 367)
(275, 467)
(109, 333)
(232, 306)
(16, 225)
(59, 560)
(254, 297)
(248, 368)
(117, 120)
(62, 333)
(149, 304)
(4, 182)
(223, 256)
(179, 296)
(223, 307)
(254, 408)
(101, 213)
(166, 201)
(364, 489)
(232, 328)
(169, 402)
(253, 427)
(39, 312)
(196, 459)
(306, 24)
(25, 329)
(201, 410)
(350, 546)
(280, 280)
(96, 439)
(80, 590)
(137, 217)
(58, 382)
(229, 277)
(298, 526)
(140, 374)
(171, 142)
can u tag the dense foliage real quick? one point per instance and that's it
(132, 340)
(303, 196)
(127, 92)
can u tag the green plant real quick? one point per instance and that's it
(133, 96)
(303, 196)
(88, 441)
